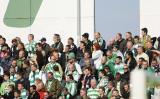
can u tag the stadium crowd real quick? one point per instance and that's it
(93, 70)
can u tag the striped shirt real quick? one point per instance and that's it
(24, 94)
(119, 68)
(57, 76)
(50, 65)
(72, 87)
(31, 48)
(33, 76)
(93, 93)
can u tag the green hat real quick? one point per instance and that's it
(71, 55)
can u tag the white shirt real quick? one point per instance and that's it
(97, 56)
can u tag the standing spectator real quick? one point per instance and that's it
(73, 47)
(33, 94)
(145, 37)
(149, 52)
(120, 42)
(40, 56)
(80, 51)
(30, 46)
(46, 48)
(92, 92)
(14, 49)
(85, 38)
(136, 42)
(111, 87)
(129, 37)
(97, 55)
(24, 92)
(98, 39)
(57, 43)
(130, 60)
(53, 85)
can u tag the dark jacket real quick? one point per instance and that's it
(58, 46)
(34, 95)
(121, 45)
(25, 83)
(10, 95)
(150, 54)
(132, 64)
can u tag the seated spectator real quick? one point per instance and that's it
(119, 66)
(83, 94)
(111, 87)
(20, 60)
(5, 85)
(102, 93)
(118, 52)
(71, 85)
(126, 91)
(136, 42)
(73, 47)
(33, 94)
(115, 94)
(92, 92)
(24, 92)
(34, 74)
(17, 94)
(10, 93)
(26, 68)
(14, 51)
(80, 51)
(65, 94)
(53, 86)
(40, 88)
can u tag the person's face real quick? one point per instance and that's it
(20, 86)
(1, 41)
(153, 63)
(149, 45)
(30, 38)
(81, 45)
(136, 41)
(6, 77)
(125, 68)
(144, 64)
(115, 93)
(129, 45)
(117, 61)
(31, 90)
(143, 33)
(140, 61)
(118, 37)
(101, 74)
(67, 79)
(109, 53)
(101, 91)
(126, 87)
(82, 93)
(55, 39)
(86, 55)
(139, 50)
(96, 35)
(33, 68)
(38, 48)
(128, 36)
(110, 86)
(71, 67)
(66, 49)
(93, 83)
(53, 58)
(46, 95)
(49, 76)
(14, 63)
(20, 46)
(118, 77)
(83, 38)
(70, 42)
(21, 54)
(115, 49)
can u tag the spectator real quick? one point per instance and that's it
(17, 94)
(14, 50)
(145, 37)
(111, 87)
(80, 51)
(117, 52)
(98, 39)
(33, 94)
(30, 46)
(97, 55)
(73, 47)
(57, 43)
(53, 86)
(129, 37)
(24, 92)
(141, 53)
(119, 67)
(130, 60)
(102, 93)
(92, 92)
(10, 93)
(120, 42)
(85, 38)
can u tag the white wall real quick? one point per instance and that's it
(54, 16)
(150, 16)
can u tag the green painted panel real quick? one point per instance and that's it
(21, 13)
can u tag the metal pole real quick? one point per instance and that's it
(78, 21)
